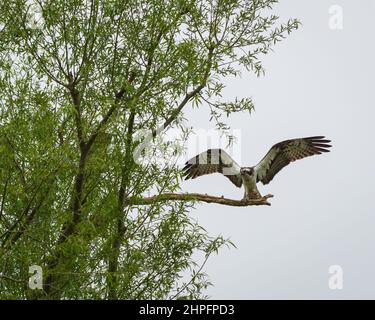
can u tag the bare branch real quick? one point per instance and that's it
(198, 197)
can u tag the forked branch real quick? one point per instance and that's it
(198, 197)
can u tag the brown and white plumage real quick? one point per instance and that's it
(285, 152)
(213, 160)
(279, 156)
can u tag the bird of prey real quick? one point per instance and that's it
(279, 156)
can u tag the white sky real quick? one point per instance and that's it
(318, 81)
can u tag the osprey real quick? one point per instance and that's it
(279, 156)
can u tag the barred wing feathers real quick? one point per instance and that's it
(285, 152)
(211, 161)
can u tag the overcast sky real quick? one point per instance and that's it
(318, 81)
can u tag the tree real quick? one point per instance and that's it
(79, 81)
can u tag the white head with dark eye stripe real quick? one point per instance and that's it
(247, 171)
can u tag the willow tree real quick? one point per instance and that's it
(79, 81)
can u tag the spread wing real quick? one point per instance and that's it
(210, 161)
(285, 152)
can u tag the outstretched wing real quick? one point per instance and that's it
(285, 152)
(210, 161)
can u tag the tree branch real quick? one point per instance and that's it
(188, 96)
(3, 276)
(119, 95)
(198, 197)
(3, 196)
(113, 261)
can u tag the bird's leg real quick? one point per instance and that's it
(252, 194)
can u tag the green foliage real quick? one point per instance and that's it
(79, 80)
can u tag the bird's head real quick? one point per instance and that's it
(247, 170)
